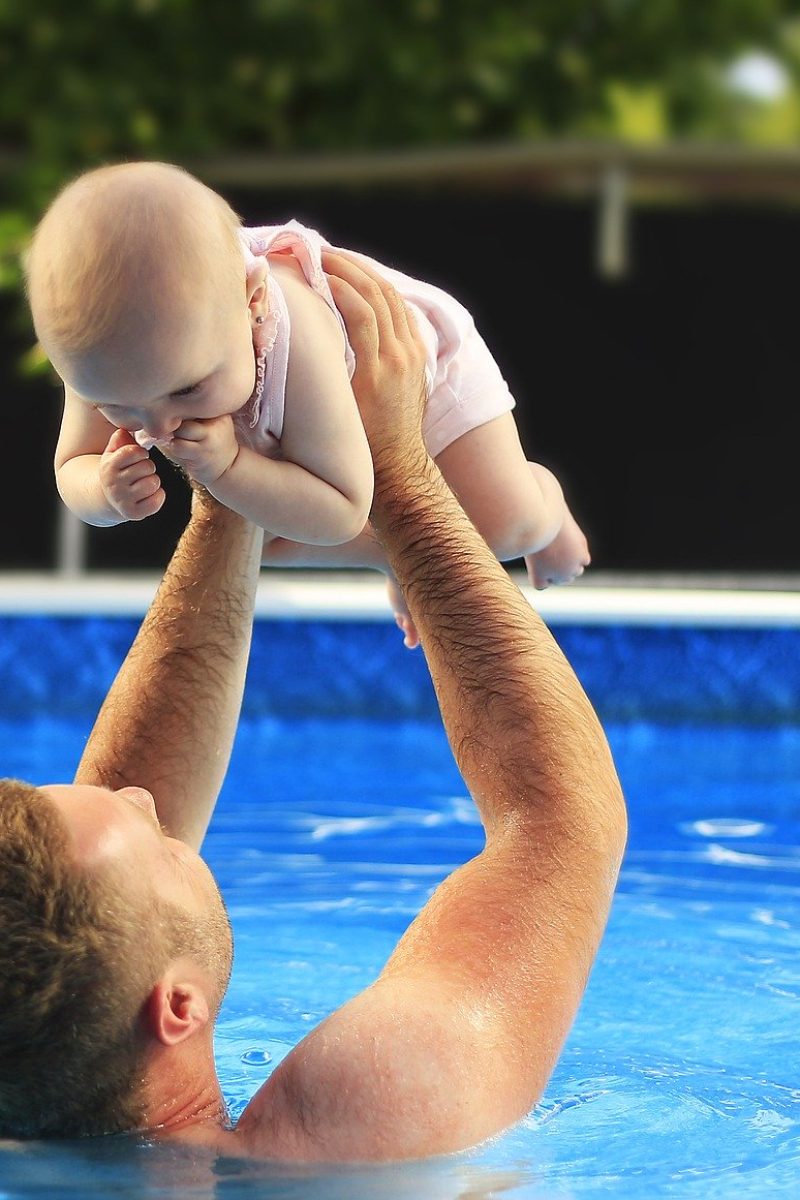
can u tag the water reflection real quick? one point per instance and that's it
(125, 1167)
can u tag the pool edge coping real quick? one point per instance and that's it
(356, 596)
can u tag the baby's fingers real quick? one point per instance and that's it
(140, 485)
(121, 474)
(147, 506)
(193, 431)
(124, 456)
(141, 494)
(118, 439)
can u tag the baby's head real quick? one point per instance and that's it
(138, 291)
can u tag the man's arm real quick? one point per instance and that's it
(457, 1037)
(170, 717)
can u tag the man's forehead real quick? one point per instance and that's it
(69, 794)
(96, 822)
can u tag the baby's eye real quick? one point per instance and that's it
(188, 391)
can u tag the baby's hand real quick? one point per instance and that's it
(205, 449)
(129, 479)
(563, 560)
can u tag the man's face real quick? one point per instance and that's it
(119, 833)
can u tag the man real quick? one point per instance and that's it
(116, 946)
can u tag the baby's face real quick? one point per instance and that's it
(195, 365)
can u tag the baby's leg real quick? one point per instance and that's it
(517, 506)
(564, 559)
(363, 551)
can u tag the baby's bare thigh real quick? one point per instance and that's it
(488, 471)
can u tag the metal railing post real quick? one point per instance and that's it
(71, 544)
(612, 223)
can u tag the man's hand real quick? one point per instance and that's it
(204, 449)
(129, 478)
(390, 356)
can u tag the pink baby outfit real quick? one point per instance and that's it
(465, 386)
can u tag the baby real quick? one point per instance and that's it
(172, 326)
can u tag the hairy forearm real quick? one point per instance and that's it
(169, 721)
(521, 727)
(78, 481)
(290, 501)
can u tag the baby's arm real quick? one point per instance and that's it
(101, 473)
(319, 492)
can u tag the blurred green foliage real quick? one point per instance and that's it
(84, 83)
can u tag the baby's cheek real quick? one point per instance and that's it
(246, 380)
(116, 421)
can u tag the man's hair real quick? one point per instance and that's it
(141, 230)
(75, 971)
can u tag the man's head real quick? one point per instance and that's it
(140, 296)
(114, 943)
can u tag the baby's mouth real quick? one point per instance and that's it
(147, 441)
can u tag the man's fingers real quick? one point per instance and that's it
(390, 355)
(356, 283)
(362, 321)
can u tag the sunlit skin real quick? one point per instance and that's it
(152, 312)
(189, 366)
(118, 832)
(178, 369)
(177, 376)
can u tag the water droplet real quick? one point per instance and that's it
(256, 1058)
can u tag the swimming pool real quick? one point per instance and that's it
(343, 809)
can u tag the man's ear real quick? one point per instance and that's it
(256, 287)
(175, 1010)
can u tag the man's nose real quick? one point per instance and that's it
(141, 798)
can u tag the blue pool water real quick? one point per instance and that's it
(343, 810)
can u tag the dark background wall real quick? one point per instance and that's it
(664, 401)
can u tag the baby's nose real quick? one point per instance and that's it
(159, 427)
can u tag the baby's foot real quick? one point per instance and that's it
(401, 614)
(563, 560)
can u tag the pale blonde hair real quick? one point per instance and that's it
(130, 233)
